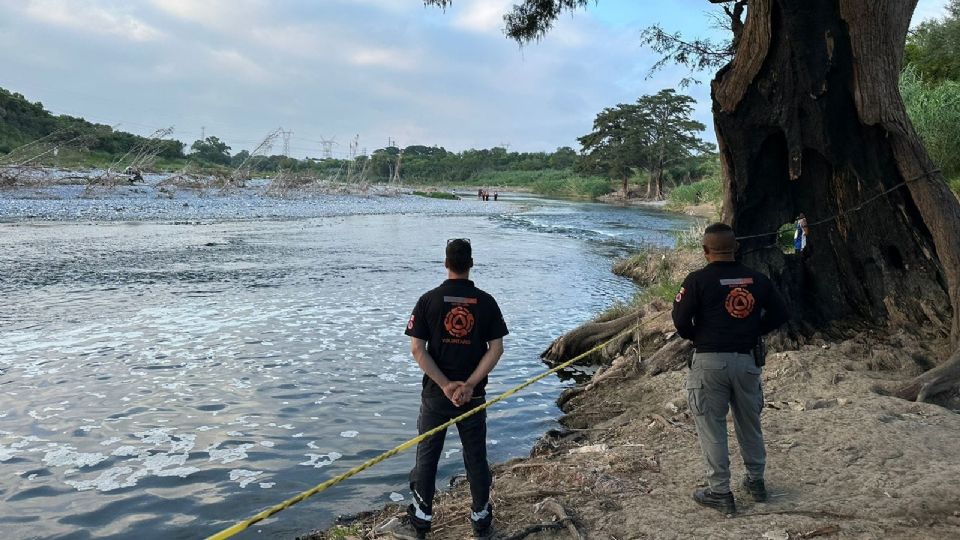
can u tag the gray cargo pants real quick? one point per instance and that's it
(716, 380)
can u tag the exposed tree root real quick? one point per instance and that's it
(590, 335)
(930, 383)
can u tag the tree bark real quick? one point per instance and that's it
(809, 119)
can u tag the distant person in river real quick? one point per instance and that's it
(480, 194)
(495, 196)
(725, 308)
(800, 234)
(456, 337)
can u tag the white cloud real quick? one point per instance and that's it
(236, 15)
(238, 66)
(395, 59)
(481, 15)
(87, 17)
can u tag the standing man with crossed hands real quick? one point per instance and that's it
(456, 336)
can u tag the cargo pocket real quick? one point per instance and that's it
(757, 386)
(694, 388)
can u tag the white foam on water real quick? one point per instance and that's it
(268, 444)
(124, 451)
(229, 455)
(108, 480)
(349, 434)
(68, 456)
(25, 441)
(155, 436)
(6, 454)
(36, 416)
(111, 440)
(321, 460)
(244, 476)
(267, 485)
(396, 497)
(451, 452)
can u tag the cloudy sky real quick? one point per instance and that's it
(339, 68)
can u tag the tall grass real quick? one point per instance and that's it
(934, 110)
(708, 190)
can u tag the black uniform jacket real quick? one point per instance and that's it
(456, 320)
(726, 307)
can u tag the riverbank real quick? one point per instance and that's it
(843, 461)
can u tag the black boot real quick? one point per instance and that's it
(483, 526)
(756, 488)
(718, 501)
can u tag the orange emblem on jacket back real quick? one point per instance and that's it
(739, 303)
(458, 322)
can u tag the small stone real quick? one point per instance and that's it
(387, 526)
(781, 534)
(813, 404)
(591, 449)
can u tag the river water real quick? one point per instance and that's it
(165, 371)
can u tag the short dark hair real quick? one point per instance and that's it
(718, 228)
(459, 256)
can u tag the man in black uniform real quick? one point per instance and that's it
(456, 336)
(725, 308)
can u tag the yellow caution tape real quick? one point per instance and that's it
(240, 526)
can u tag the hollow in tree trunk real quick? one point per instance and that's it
(809, 119)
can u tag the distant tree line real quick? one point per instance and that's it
(653, 139)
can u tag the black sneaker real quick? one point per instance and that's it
(756, 488)
(718, 501)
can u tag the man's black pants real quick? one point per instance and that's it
(473, 435)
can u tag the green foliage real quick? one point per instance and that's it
(955, 185)
(933, 48)
(212, 150)
(934, 109)
(648, 135)
(708, 190)
(342, 532)
(437, 195)
(78, 141)
(550, 183)
(436, 165)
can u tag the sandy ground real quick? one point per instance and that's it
(844, 461)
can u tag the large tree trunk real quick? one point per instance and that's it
(809, 119)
